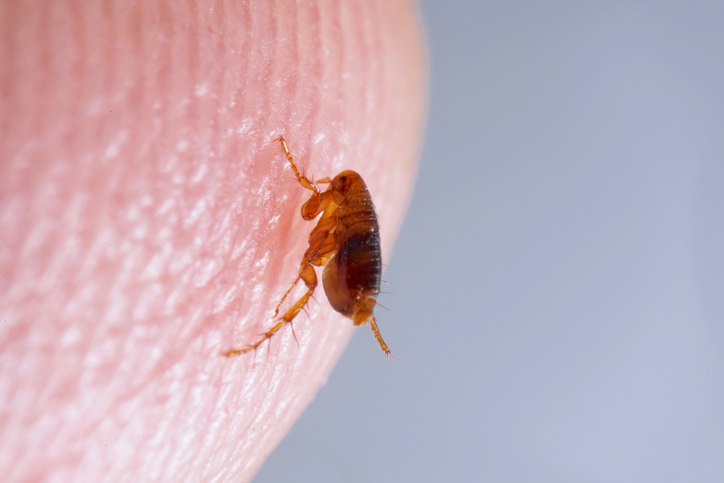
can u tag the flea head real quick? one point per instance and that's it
(347, 181)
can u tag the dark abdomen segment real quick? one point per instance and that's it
(360, 257)
(354, 272)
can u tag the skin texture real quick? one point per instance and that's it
(148, 221)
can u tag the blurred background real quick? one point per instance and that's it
(558, 300)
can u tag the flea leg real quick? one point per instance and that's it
(364, 314)
(378, 336)
(309, 276)
(303, 180)
(320, 248)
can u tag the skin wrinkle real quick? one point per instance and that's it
(149, 222)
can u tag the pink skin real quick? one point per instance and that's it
(148, 221)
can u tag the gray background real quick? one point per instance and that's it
(558, 283)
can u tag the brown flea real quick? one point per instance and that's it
(346, 241)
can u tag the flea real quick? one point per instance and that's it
(346, 241)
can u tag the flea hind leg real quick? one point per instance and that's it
(321, 245)
(309, 276)
(317, 253)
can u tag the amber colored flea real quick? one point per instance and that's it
(346, 241)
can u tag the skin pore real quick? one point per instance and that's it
(149, 221)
